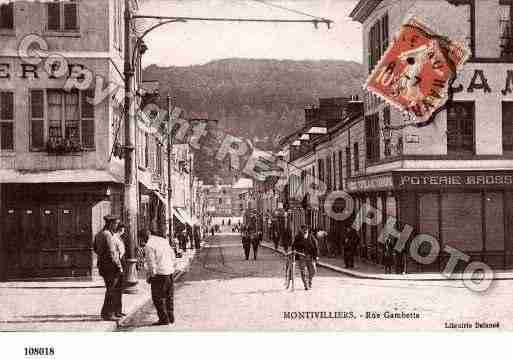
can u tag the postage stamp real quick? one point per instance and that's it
(415, 73)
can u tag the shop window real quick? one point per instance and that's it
(428, 214)
(7, 16)
(460, 128)
(507, 127)
(494, 215)
(461, 220)
(62, 15)
(6, 121)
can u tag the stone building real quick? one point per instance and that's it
(452, 179)
(61, 157)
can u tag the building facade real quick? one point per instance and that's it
(61, 153)
(451, 179)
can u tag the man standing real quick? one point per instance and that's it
(350, 246)
(246, 242)
(306, 244)
(160, 260)
(110, 268)
(256, 238)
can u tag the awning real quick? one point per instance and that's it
(59, 176)
(185, 215)
(178, 215)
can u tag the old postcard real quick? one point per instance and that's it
(251, 165)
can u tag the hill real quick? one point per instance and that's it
(256, 98)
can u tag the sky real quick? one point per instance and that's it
(192, 43)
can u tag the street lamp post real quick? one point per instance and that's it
(170, 227)
(130, 200)
(130, 185)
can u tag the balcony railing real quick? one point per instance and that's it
(63, 146)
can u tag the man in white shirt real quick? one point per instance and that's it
(161, 262)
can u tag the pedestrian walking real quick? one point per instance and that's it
(212, 230)
(119, 242)
(161, 262)
(286, 239)
(246, 243)
(306, 244)
(110, 268)
(182, 240)
(350, 247)
(388, 255)
(256, 238)
(196, 233)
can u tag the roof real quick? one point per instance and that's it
(363, 9)
(59, 176)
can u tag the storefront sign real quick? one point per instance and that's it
(370, 183)
(468, 179)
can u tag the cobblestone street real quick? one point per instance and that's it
(222, 291)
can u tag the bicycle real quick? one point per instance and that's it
(290, 268)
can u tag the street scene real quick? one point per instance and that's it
(256, 165)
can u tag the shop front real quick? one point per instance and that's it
(466, 210)
(47, 229)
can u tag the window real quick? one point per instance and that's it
(377, 41)
(7, 16)
(158, 169)
(460, 128)
(507, 127)
(69, 116)
(146, 150)
(372, 137)
(387, 139)
(356, 157)
(340, 176)
(348, 162)
(6, 121)
(320, 164)
(328, 172)
(63, 116)
(62, 15)
(335, 182)
(220, 201)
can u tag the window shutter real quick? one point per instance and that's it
(87, 106)
(70, 16)
(36, 119)
(6, 105)
(87, 119)
(54, 18)
(7, 16)
(384, 32)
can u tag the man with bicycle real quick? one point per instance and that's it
(308, 254)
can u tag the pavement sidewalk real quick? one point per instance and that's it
(68, 306)
(367, 270)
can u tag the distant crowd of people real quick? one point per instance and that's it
(344, 243)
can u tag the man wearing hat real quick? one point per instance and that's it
(308, 254)
(110, 268)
